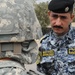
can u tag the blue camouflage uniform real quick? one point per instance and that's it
(57, 54)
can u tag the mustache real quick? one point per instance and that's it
(57, 27)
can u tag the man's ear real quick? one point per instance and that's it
(72, 16)
(48, 13)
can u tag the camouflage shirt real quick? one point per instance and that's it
(57, 54)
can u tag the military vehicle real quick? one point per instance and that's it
(19, 27)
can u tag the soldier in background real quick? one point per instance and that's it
(57, 50)
(19, 28)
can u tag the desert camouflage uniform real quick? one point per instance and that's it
(17, 17)
(57, 54)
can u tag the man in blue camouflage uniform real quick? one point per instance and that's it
(57, 50)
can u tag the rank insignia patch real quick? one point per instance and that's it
(71, 51)
(47, 53)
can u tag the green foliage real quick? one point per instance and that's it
(41, 10)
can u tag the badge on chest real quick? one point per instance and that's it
(47, 53)
(71, 51)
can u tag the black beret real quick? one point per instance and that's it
(61, 6)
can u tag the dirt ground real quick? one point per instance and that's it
(32, 67)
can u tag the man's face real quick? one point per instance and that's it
(60, 22)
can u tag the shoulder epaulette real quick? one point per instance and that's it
(44, 37)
